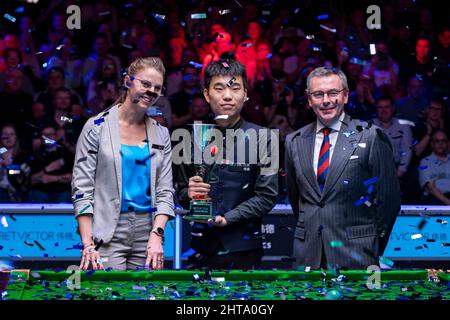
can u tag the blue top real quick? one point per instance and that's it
(136, 194)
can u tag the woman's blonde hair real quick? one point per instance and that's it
(140, 64)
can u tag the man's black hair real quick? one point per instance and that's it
(224, 68)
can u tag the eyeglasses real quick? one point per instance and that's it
(148, 85)
(319, 95)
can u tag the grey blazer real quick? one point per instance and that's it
(349, 231)
(97, 172)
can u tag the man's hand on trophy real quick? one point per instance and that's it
(197, 188)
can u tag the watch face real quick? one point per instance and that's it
(160, 231)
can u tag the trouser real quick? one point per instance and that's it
(127, 249)
(248, 259)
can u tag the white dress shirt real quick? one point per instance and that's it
(333, 135)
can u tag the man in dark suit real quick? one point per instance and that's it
(243, 189)
(342, 182)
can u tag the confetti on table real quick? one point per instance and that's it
(139, 288)
(89, 273)
(82, 159)
(441, 221)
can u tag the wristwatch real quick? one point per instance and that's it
(160, 233)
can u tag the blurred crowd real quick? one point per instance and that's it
(53, 79)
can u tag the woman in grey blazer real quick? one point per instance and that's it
(122, 178)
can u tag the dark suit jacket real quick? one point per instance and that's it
(241, 193)
(352, 218)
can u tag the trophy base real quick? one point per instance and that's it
(200, 209)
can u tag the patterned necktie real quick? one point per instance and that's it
(324, 159)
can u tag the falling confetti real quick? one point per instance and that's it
(336, 244)
(322, 17)
(39, 245)
(4, 222)
(66, 119)
(196, 65)
(198, 16)
(9, 17)
(99, 121)
(230, 83)
(416, 236)
(222, 117)
(422, 223)
(327, 28)
(189, 253)
(370, 181)
(348, 133)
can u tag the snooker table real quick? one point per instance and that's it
(224, 285)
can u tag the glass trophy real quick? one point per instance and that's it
(201, 208)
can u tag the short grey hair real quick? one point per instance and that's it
(325, 72)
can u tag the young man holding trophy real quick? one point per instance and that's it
(232, 181)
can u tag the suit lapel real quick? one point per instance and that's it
(305, 152)
(152, 139)
(114, 131)
(342, 152)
